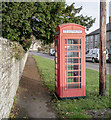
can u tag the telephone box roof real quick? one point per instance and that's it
(69, 24)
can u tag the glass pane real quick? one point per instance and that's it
(65, 54)
(80, 41)
(73, 41)
(72, 86)
(65, 67)
(74, 48)
(75, 79)
(80, 73)
(65, 61)
(65, 74)
(65, 41)
(73, 54)
(80, 61)
(79, 54)
(73, 67)
(73, 60)
(65, 48)
(65, 83)
(80, 79)
(73, 73)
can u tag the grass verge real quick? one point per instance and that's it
(76, 108)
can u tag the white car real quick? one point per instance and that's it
(52, 52)
(93, 55)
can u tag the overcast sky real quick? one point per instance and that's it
(90, 8)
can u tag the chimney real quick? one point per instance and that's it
(110, 12)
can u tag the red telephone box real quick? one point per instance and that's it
(70, 60)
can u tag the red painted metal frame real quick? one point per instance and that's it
(60, 60)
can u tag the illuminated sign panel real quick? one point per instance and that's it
(72, 31)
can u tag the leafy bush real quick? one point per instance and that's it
(17, 50)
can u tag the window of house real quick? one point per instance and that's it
(107, 36)
(110, 35)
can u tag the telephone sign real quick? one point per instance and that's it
(72, 31)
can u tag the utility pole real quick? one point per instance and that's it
(102, 51)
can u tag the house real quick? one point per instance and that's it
(36, 44)
(92, 39)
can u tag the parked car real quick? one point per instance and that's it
(52, 52)
(93, 55)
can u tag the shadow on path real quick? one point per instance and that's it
(33, 99)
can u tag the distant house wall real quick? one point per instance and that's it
(34, 46)
(90, 42)
(93, 41)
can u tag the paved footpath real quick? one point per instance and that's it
(33, 99)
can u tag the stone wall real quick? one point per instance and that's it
(10, 73)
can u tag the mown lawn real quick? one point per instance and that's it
(76, 108)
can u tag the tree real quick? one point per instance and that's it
(16, 21)
(21, 19)
(49, 15)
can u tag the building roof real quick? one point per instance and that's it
(108, 26)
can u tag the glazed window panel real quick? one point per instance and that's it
(72, 63)
(80, 79)
(65, 41)
(65, 60)
(65, 74)
(65, 54)
(73, 73)
(73, 41)
(79, 54)
(73, 67)
(75, 79)
(74, 60)
(65, 48)
(73, 54)
(65, 67)
(80, 60)
(74, 48)
(80, 41)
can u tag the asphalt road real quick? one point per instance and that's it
(43, 55)
(89, 65)
(95, 66)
